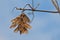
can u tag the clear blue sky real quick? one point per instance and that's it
(45, 26)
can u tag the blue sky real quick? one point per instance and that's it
(45, 26)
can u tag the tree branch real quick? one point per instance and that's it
(37, 10)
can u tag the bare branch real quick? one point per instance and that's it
(37, 10)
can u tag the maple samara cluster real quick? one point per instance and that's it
(21, 23)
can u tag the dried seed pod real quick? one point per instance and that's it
(13, 25)
(23, 31)
(16, 30)
(20, 27)
(16, 19)
(27, 26)
(25, 17)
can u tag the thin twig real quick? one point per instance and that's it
(37, 10)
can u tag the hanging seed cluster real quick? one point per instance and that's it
(21, 23)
